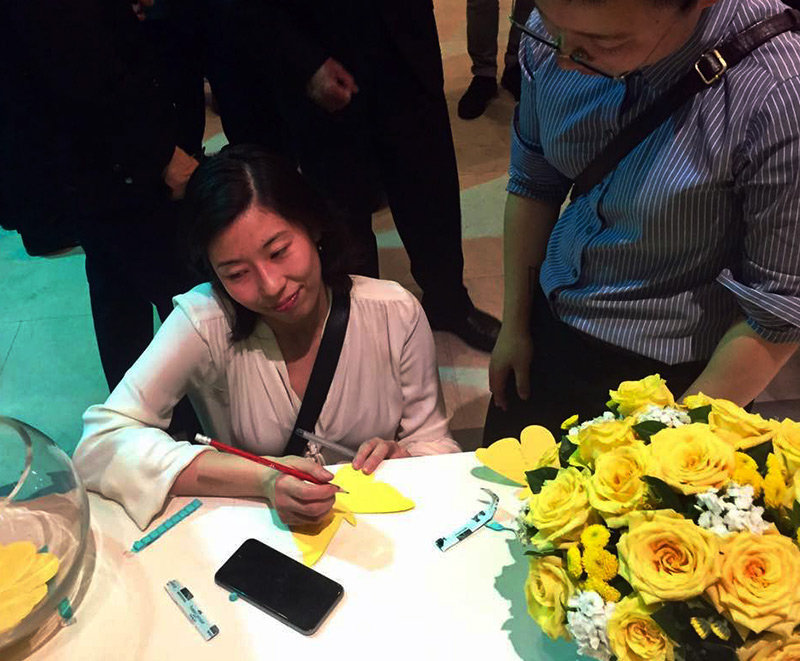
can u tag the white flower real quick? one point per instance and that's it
(587, 623)
(732, 512)
(523, 530)
(709, 500)
(742, 496)
(667, 415)
(608, 415)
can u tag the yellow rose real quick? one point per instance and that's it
(634, 635)
(691, 458)
(737, 427)
(547, 591)
(616, 487)
(771, 648)
(666, 557)
(597, 439)
(757, 584)
(697, 401)
(633, 395)
(560, 511)
(787, 443)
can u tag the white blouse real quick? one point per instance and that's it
(386, 385)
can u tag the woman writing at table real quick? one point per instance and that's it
(243, 346)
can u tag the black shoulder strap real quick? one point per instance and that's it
(330, 347)
(706, 71)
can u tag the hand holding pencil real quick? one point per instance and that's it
(306, 499)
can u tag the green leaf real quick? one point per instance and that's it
(664, 495)
(667, 617)
(542, 551)
(565, 451)
(795, 516)
(537, 478)
(621, 585)
(646, 429)
(700, 414)
(759, 454)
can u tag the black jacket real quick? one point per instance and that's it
(84, 129)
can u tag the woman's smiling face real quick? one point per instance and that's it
(270, 266)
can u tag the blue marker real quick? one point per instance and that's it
(169, 523)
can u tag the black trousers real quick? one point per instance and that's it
(133, 262)
(391, 144)
(572, 372)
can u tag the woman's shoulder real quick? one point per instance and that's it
(203, 306)
(382, 292)
(384, 301)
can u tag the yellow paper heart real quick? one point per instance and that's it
(23, 577)
(512, 458)
(312, 541)
(366, 495)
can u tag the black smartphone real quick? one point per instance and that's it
(279, 585)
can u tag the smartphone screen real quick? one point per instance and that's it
(286, 589)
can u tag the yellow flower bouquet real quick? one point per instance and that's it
(662, 530)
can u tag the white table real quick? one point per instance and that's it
(404, 598)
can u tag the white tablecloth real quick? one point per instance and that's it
(404, 598)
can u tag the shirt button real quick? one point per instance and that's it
(117, 167)
(128, 180)
(574, 273)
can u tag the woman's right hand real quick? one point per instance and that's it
(512, 352)
(298, 502)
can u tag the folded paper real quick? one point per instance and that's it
(365, 495)
(512, 458)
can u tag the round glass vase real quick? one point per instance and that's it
(42, 500)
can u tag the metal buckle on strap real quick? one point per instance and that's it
(715, 62)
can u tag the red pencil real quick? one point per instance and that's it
(294, 472)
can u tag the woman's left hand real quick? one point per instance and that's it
(373, 452)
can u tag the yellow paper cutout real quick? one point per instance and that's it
(366, 495)
(312, 541)
(512, 458)
(23, 576)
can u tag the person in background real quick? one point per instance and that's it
(685, 259)
(483, 18)
(90, 140)
(243, 346)
(359, 85)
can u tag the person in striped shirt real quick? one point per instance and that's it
(685, 259)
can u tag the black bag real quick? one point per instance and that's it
(330, 348)
(708, 69)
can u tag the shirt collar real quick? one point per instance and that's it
(721, 20)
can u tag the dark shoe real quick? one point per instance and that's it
(481, 90)
(512, 80)
(477, 328)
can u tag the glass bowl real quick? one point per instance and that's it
(42, 500)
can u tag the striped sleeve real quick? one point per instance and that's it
(530, 174)
(766, 280)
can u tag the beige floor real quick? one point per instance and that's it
(49, 366)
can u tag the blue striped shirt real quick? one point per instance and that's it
(700, 224)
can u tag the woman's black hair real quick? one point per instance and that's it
(225, 185)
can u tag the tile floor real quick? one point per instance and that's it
(49, 366)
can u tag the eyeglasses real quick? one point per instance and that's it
(579, 56)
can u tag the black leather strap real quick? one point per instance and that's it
(330, 348)
(711, 66)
